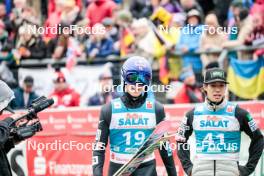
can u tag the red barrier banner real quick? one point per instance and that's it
(64, 147)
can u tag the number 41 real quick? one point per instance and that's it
(209, 138)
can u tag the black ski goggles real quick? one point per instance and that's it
(134, 77)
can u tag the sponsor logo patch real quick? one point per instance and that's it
(229, 108)
(98, 135)
(113, 156)
(117, 105)
(95, 160)
(149, 105)
(252, 125)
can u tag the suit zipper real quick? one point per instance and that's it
(214, 167)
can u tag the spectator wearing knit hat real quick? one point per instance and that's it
(63, 95)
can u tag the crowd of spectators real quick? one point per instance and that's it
(134, 27)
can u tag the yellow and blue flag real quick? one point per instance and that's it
(246, 78)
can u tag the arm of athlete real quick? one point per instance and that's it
(248, 125)
(183, 146)
(101, 140)
(165, 152)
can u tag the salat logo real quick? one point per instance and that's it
(132, 119)
(213, 121)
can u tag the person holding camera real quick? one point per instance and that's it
(7, 140)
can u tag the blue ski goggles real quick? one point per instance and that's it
(134, 77)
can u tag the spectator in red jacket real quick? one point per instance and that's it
(63, 95)
(257, 7)
(53, 20)
(189, 91)
(52, 5)
(98, 10)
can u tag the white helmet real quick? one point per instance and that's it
(6, 96)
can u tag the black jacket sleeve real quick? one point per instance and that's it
(38, 51)
(101, 140)
(165, 154)
(183, 152)
(248, 125)
(192, 96)
(9, 145)
(4, 131)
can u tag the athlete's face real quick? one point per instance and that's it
(215, 91)
(135, 90)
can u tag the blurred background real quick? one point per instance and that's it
(68, 67)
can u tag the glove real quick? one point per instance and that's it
(189, 171)
(25, 132)
(243, 170)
